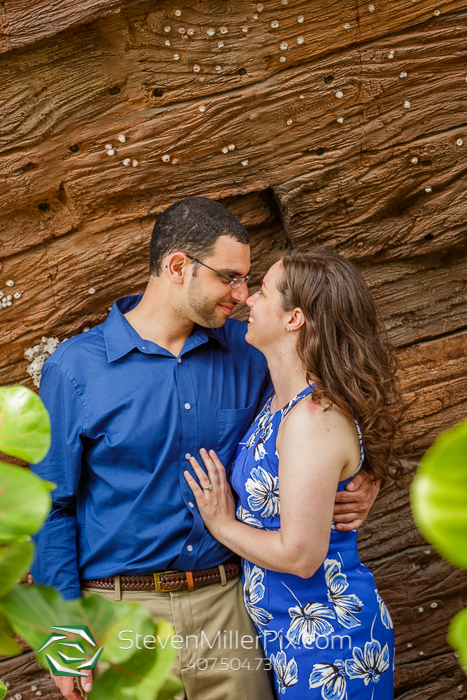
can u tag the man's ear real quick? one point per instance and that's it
(176, 265)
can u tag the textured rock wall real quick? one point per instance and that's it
(330, 122)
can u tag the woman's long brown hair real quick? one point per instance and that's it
(344, 349)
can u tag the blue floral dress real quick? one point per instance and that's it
(329, 636)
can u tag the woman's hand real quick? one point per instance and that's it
(214, 497)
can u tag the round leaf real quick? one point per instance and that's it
(14, 562)
(457, 637)
(439, 495)
(24, 502)
(24, 424)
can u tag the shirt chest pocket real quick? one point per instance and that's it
(233, 424)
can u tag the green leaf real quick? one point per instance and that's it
(14, 562)
(33, 611)
(24, 424)
(24, 502)
(3, 690)
(107, 619)
(457, 637)
(172, 686)
(439, 495)
(8, 646)
(143, 676)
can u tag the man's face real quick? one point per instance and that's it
(209, 298)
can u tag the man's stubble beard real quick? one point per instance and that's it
(200, 310)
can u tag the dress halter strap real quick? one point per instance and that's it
(296, 399)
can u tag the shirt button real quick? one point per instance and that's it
(143, 348)
(179, 360)
(190, 548)
(192, 505)
(187, 406)
(188, 455)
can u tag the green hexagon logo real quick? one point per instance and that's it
(68, 653)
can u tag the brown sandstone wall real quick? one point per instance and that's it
(357, 140)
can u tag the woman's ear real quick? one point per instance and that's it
(296, 319)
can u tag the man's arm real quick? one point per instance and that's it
(56, 562)
(353, 505)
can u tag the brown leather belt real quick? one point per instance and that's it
(166, 581)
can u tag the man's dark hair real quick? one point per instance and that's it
(193, 226)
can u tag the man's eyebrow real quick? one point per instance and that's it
(232, 273)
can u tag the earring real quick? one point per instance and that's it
(287, 328)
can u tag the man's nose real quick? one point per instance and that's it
(241, 294)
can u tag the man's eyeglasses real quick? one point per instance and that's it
(235, 282)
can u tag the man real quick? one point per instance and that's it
(129, 401)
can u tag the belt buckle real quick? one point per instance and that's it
(157, 580)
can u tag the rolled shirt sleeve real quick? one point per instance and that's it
(56, 561)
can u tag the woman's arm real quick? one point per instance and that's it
(313, 446)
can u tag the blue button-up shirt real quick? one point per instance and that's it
(125, 415)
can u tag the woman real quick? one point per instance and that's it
(323, 625)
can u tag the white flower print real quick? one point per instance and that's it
(386, 618)
(332, 679)
(264, 492)
(308, 622)
(346, 606)
(286, 672)
(368, 665)
(246, 517)
(260, 451)
(253, 592)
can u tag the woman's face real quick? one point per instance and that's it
(268, 320)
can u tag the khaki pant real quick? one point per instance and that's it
(220, 657)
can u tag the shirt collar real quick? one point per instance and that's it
(121, 338)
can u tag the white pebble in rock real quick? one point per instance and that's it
(224, 149)
(167, 42)
(339, 94)
(231, 147)
(10, 283)
(122, 138)
(166, 30)
(211, 31)
(282, 59)
(284, 46)
(428, 189)
(300, 40)
(415, 160)
(300, 19)
(111, 152)
(91, 290)
(275, 24)
(407, 104)
(371, 8)
(165, 159)
(459, 142)
(176, 57)
(403, 74)
(221, 45)
(244, 162)
(202, 108)
(340, 120)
